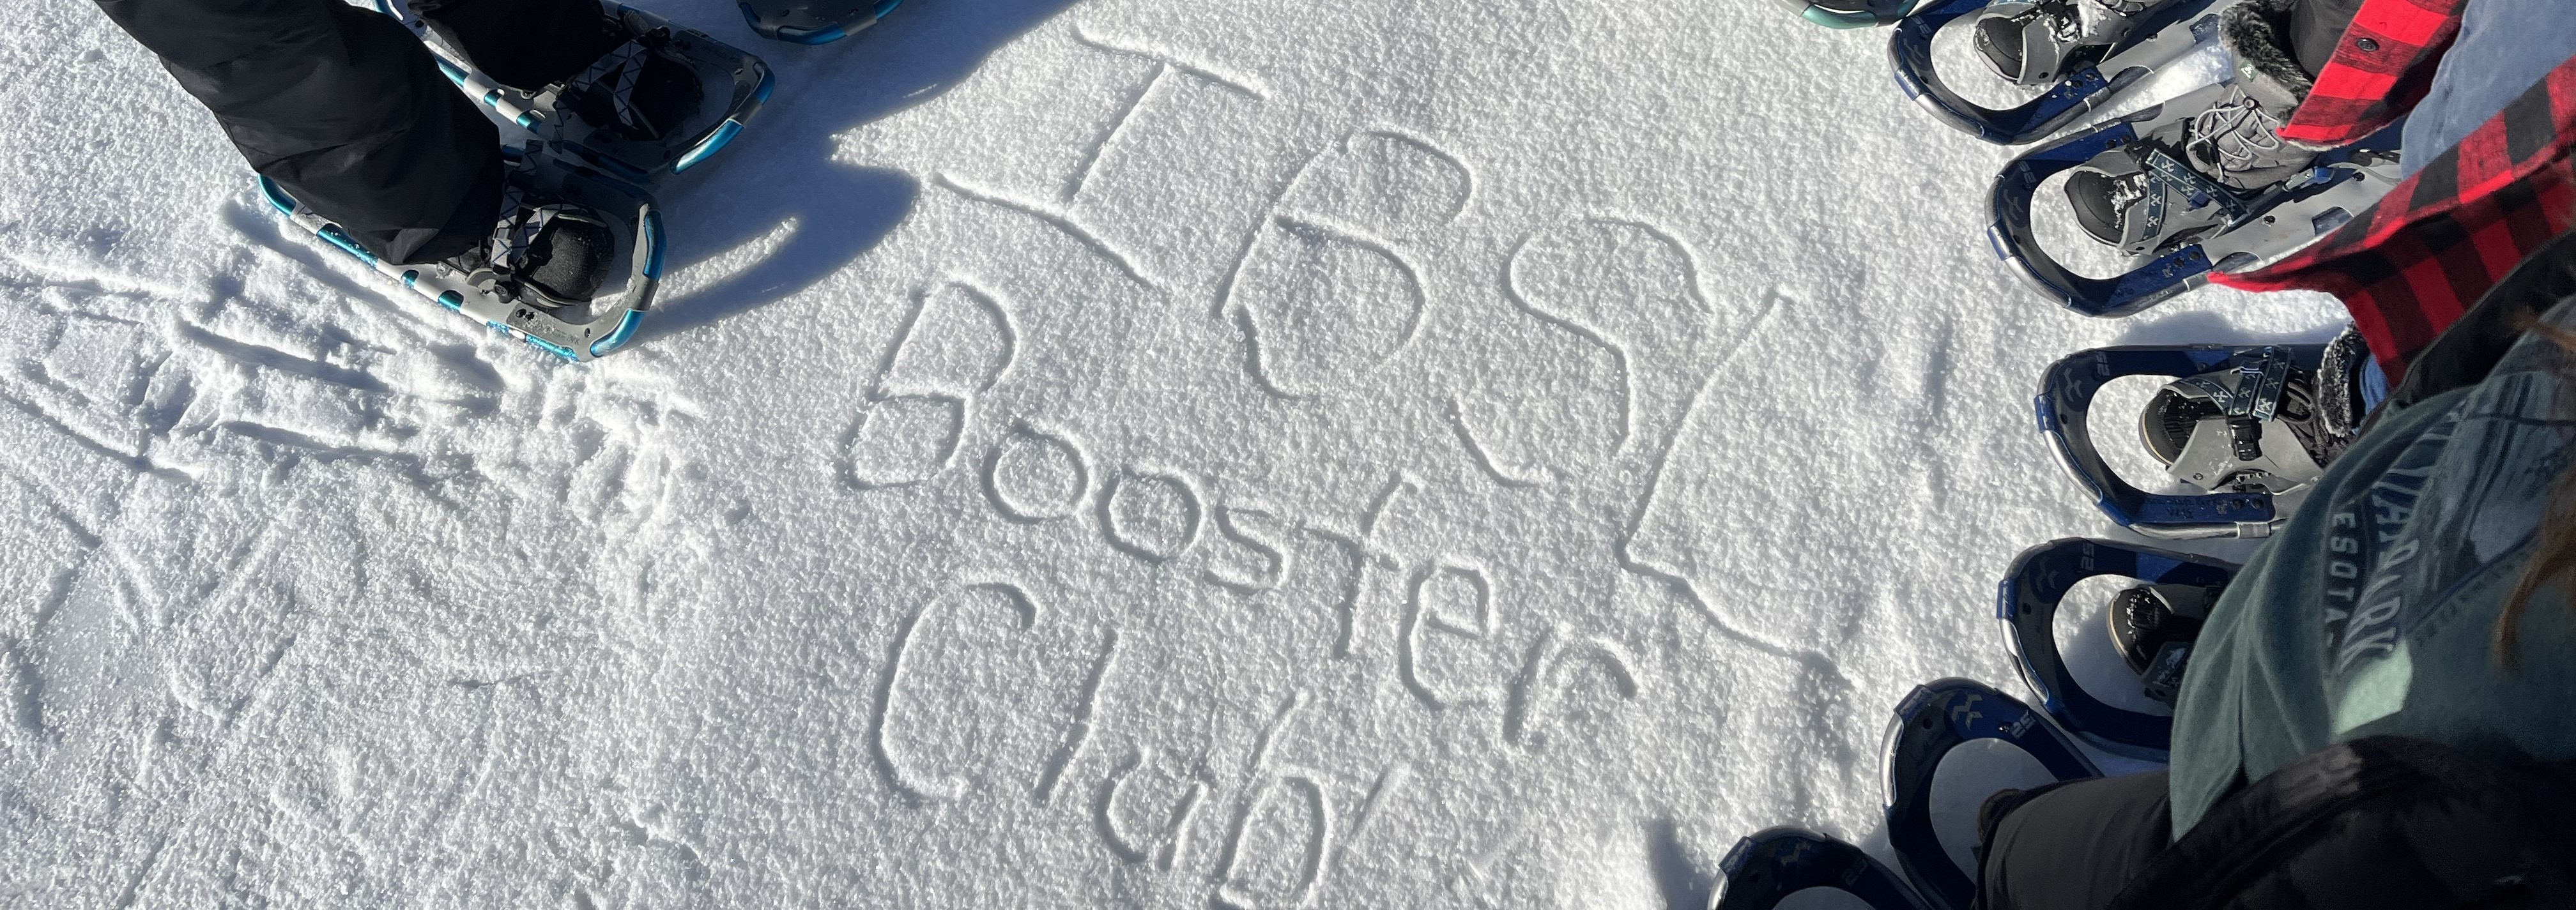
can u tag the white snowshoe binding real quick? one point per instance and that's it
(570, 267)
(2035, 42)
(663, 102)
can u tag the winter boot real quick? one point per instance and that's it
(2154, 627)
(2259, 428)
(2192, 175)
(2034, 43)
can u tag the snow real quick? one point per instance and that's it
(1115, 453)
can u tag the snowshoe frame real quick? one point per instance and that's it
(2065, 401)
(2161, 38)
(1765, 868)
(2339, 186)
(814, 21)
(1935, 718)
(2027, 603)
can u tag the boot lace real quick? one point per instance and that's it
(2237, 134)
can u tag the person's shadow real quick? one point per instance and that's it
(781, 168)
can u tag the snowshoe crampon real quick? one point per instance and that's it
(1853, 13)
(2089, 79)
(1934, 720)
(732, 86)
(814, 21)
(2262, 397)
(582, 333)
(2252, 230)
(2027, 603)
(1764, 869)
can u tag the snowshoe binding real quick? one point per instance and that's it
(2154, 627)
(2085, 53)
(2201, 182)
(2246, 426)
(1764, 869)
(1935, 719)
(570, 267)
(814, 21)
(2153, 624)
(661, 102)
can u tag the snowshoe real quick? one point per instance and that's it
(662, 103)
(2180, 585)
(570, 269)
(1935, 719)
(2199, 183)
(1853, 13)
(814, 21)
(2246, 425)
(1764, 869)
(2087, 52)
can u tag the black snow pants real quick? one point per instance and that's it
(349, 112)
(2074, 846)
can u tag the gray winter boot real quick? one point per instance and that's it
(2191, 175)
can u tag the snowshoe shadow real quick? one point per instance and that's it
(780, 187)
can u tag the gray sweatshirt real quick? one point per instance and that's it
(2373, 610)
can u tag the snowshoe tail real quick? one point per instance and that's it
(734, 83)
(1934, 719)
(2028, 602)
(2064, 405)
(604, 326)
(814, 21)
(2161, 38)
(1764, 869)
(2261, 229)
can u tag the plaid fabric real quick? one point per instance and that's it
(2409, 266)
(2380, 69)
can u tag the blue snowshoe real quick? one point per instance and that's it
(2087, 53)
(2245, 425)
(1933, 720)
(2152, 624)
(2152, 185)
(814, 21)
(1766, 868)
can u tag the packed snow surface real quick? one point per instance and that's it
(1385, 454)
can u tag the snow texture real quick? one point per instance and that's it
(1106, 453)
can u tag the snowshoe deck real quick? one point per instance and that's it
(1932, 720)
(2338, 187)
(814, 21)
(2064, 405)
(609, 321)
(2166, 36)
(737, 80)
(2027, 603)
(1765, 868)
